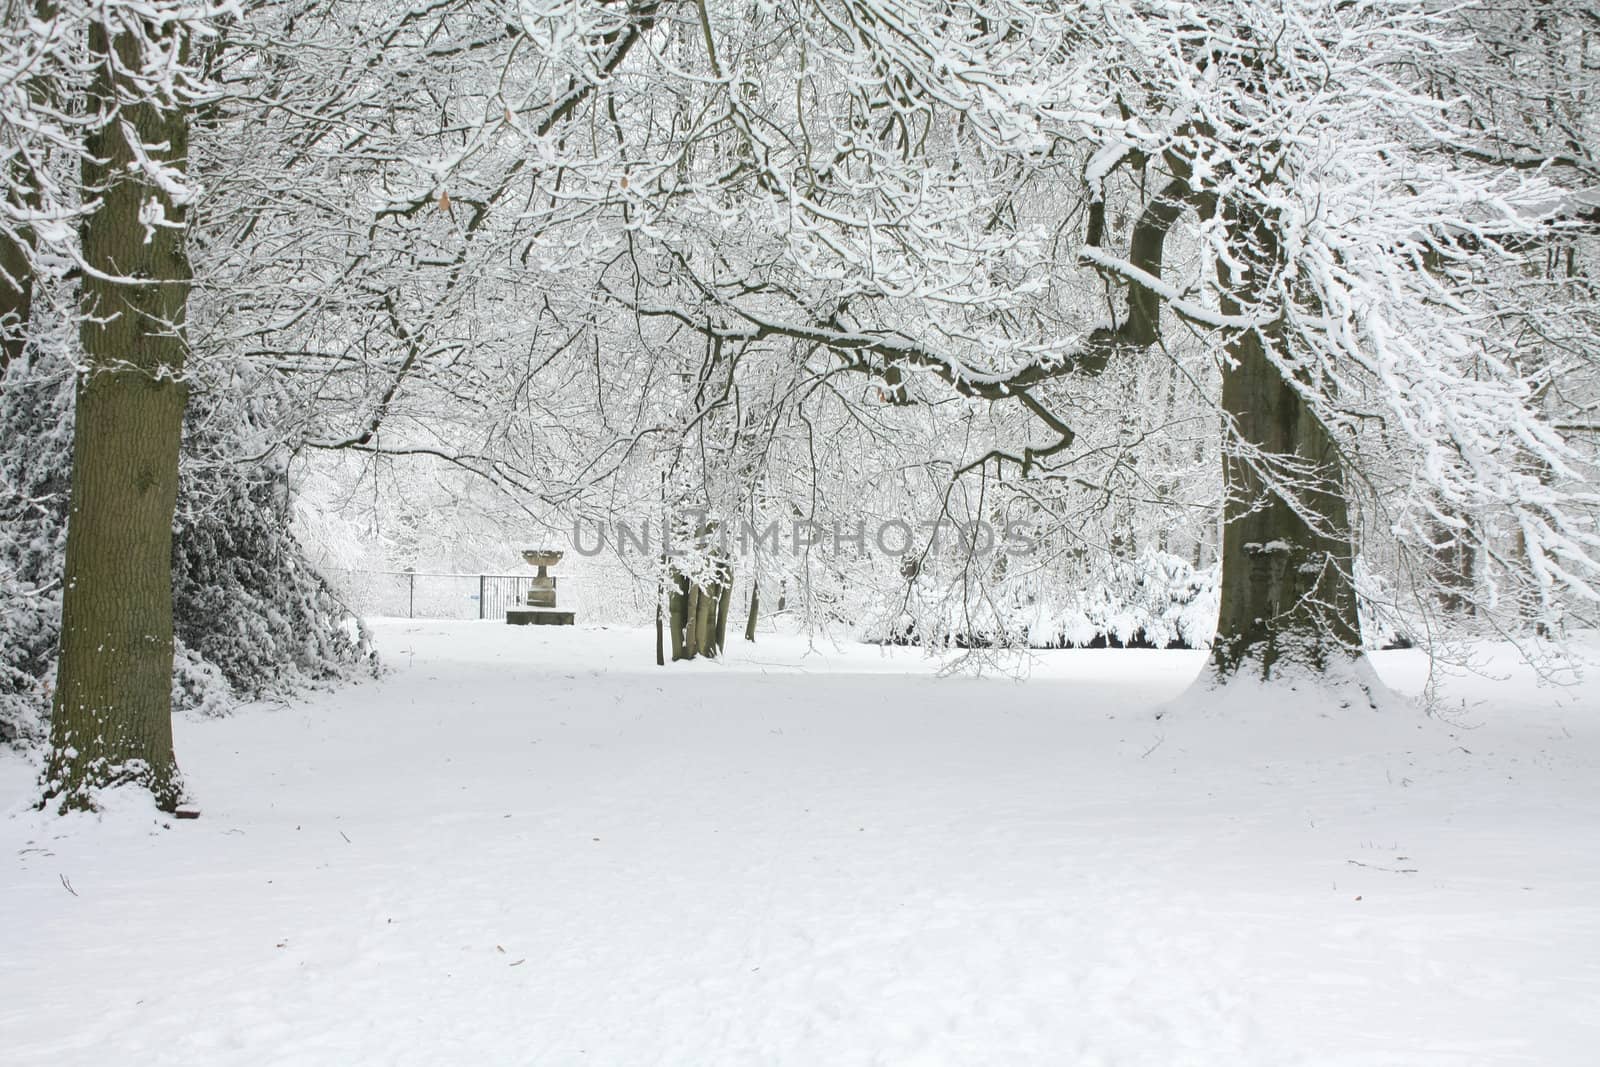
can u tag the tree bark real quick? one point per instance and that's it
(16, 300)
(661, 658)
(677, 606)
(705, 616)
(724, 602)
(16, 261)
(691, 622)
(112, 719)
(1452, 564)
(1287, 597)
(698, 615)
(755, 606)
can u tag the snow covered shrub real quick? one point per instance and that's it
(248, 609)
(197, 685)
(1155, 601)
(251, 617)
(35, 453)
(246, 604)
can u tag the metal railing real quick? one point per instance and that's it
(430, 594)
(596, 592)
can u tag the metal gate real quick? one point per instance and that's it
(497, 592)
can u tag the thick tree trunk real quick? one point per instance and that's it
(112, 720)
(1287, 595)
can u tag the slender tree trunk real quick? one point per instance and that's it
(691, 622)
(112, 720)
(1288, 600)
(661, 658)
(16, 300)
(755, 606)
(698, 615)
(724, 602)
(677, 609)
(705, 617)
(1453, 561)
(16, 266)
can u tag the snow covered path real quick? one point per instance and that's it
(526, 846)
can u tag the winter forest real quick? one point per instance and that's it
(1093, 503)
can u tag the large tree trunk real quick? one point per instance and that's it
(1287, 595)
(112, 720)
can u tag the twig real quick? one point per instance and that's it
(1391, 870)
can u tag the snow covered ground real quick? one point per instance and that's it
(532, 846)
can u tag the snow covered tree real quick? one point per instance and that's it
(1293, 155)
(555, 249)
(252, 619)
(112, 718)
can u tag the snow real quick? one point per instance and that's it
(533, 846)
(1168, 292)
(1102, 163)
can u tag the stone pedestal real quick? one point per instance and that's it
(543, 593)
(539, 617)
(541, 608)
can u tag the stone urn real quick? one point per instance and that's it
(541, 608)
(542, 557)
